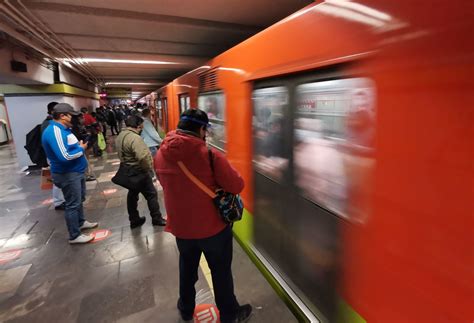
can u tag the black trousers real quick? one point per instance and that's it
(113, 126)
(104, 129)
(149, 192)
(218, 252)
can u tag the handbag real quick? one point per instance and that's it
(129, 176)
(229, 206)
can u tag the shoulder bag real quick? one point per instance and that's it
(129, 176)
(229, 206)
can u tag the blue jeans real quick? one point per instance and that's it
(73, 186)
(153, 151)
(58, 197)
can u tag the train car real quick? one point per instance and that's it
(352, 125)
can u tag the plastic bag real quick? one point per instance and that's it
(101, 141)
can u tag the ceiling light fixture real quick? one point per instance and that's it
(131, 83)
(109, 60)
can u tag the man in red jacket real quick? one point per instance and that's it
(192, 216)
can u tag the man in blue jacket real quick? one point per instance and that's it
(68, 164)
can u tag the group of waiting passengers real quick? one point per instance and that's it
(191, 215)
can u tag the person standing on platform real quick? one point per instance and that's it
(91, 125)
(58, 197)
(149, 134)
(195, 221)
(131, 150)
(102, 118)
(68, 164)
(80, 131)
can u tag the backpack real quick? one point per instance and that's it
(34, 147)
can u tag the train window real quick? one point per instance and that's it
(184, 102)
(159, 109)
(214, 105)
(334, 130)
(268, 118)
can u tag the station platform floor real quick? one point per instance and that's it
(128, 276)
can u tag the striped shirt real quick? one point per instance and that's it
(63, 150)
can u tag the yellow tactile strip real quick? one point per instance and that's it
(207, 273)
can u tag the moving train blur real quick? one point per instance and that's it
(351, 123)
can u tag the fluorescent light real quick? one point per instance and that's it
(109, 60)
(131, 83)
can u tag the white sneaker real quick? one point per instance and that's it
(82, 239)
(88, 225)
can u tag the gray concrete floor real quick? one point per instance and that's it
(131, 276)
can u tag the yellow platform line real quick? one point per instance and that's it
(207, 273)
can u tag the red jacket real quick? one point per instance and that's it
(88, 119)
(191, 212)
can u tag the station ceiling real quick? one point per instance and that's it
(124, 43)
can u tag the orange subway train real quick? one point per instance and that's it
(352, 125)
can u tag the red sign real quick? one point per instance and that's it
(9, 255)
(206, 313)
(101, 234)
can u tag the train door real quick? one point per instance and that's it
(304, 176)
(165, 114)
(271, 159)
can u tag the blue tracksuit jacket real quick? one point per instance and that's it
(63, 150)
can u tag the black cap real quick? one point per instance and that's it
(66, 109)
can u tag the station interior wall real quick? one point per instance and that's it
(25, 112)
(4, 136)
(36, 74)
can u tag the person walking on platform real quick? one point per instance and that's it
(149, 134)
(58, 197)
(120, 116)
(68, 164)
(133, 152)
(194, 221)
(112, 121)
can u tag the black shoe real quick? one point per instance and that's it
(90, 178)
(61, 206)
(184, 316)
(139, 223)
(243, 314)
(159, 221)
